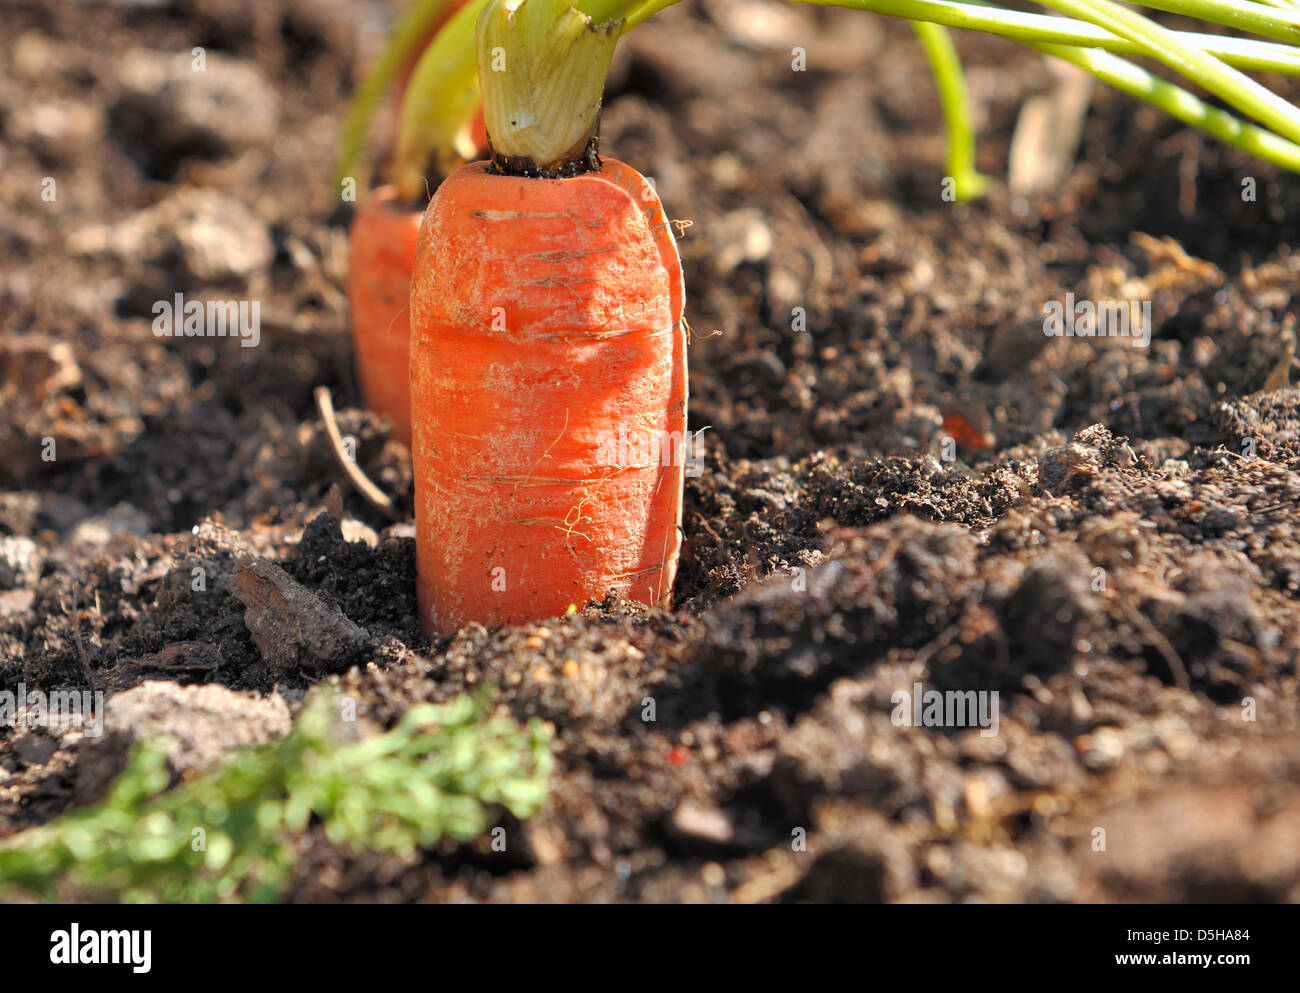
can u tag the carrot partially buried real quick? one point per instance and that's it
(548, 357)
(381, 253)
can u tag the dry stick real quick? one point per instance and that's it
(372, 493)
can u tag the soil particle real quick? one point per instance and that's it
(35, 747)
(857, 860)
(1231, 838)
(20, 562)
(291, 625)
(781, 642)
(216, 239)
(1267, 425)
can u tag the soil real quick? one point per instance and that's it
(1113, 547)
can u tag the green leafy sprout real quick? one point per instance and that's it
(1100, 36)
(230, 835)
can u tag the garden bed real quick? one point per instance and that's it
(1118, 556)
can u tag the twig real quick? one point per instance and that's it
(372, 493)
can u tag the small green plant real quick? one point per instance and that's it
(230, 835)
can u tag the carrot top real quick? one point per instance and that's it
(1100, 36)
(437, 116)
(542, 67)
(400, 52)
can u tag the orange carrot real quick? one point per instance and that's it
(381, 252)
(548, 383)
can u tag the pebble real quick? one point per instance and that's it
(1102, 748)
(20, 562)
(217, 238)
(713, 875)
(704, 823)
(97, 532)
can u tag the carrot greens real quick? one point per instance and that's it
(1100, 36)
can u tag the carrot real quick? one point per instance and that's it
(548, 352)
(381, 253)
(548, 379)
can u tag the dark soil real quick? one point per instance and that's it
(1121, 562)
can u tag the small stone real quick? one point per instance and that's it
(97, 532)
(713, 875)
(291, 626)
(220, 239)
(217, 238)
(15, 602)
(354, 531)
(1101, 749)
(694, 820)
(1064, 468)
(20, 563)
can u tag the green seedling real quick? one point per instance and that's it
(231, 835)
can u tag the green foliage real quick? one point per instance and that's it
(230, 835)
(401, 52)
(1099, 36)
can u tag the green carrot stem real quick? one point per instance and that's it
(1242, 92)
(1180, 104)
(1270, 21)
(954, 100)
(444, 91)
(400, 51)
(1241, 53)
(440, 105)
(542, 67)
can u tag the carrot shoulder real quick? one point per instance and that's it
(548, 381)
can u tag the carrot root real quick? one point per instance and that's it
(381, 256)
(548, 362)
